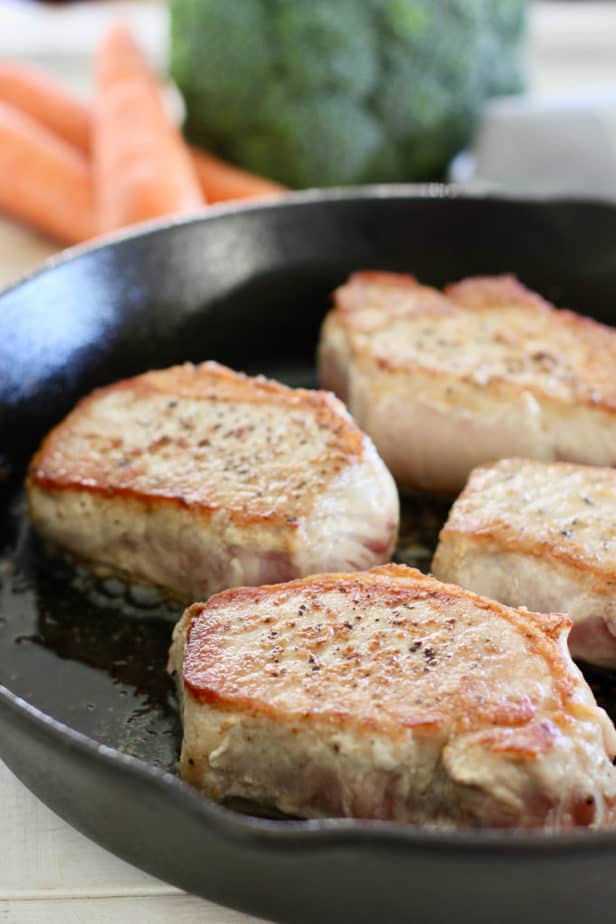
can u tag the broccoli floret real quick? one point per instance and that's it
(298, 145)
(316, 54)
(316, 92)
(221, 62)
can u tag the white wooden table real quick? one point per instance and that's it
(50, 874)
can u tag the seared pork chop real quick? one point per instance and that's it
(198, 478)
(443, 383)
(386, 694)
(544, 536)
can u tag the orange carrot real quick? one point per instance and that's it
(46, 100)
(221, 181)
(142, 167)
(43, 180)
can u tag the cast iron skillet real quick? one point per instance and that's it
(87, 716)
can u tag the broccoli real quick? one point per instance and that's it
(325, 92)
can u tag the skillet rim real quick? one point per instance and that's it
(315, 833)
(299, 834)
(316, 195)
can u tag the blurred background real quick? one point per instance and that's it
(495, 94)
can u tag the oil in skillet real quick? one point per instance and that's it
(93, 652)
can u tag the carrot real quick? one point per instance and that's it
(43, 180)
(46, 100)
(142, 167)
(221, 181)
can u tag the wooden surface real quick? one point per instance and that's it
(49, 873)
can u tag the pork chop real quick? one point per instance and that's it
(443, 383)
(544, 536)
(197, 478)
(386, 694)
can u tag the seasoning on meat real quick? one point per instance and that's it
(386, 694)
(198, 478)
(443, 383)
(541, 535)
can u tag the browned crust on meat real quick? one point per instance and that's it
(369, 301)
(376, 288)
(506, 537)
(486, 292)
(207, 680)
(208, 381)
(351, 296)
(500, 534)
(491, 292)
